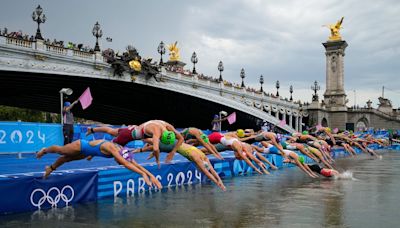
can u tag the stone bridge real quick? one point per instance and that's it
(32, 73)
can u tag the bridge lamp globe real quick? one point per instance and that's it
(98, 33)
(220, 68)
(161, 51)
(39, 18)
(66, 91)
(315, 88)
(242, 75)
(261, 82)
(194, 61)
(277, 85)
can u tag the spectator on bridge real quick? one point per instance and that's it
(68, 122)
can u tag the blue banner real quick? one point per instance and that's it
(123, 182)
(28, 137)
(34, 193)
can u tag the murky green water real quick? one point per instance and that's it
(287, 198)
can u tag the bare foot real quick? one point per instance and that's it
(274, 167)
(89, 157)
(41, 153)
(47, 171)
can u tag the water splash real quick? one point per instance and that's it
(346, 175)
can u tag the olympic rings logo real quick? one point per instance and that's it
(60, 195)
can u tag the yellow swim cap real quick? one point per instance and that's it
(240, 133)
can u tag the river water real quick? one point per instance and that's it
(286, 198)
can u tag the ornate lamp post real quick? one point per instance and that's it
(277, 85)
(161, 51)
(194, 61)
(291, 91)
(315, 88)
(98, 33)
(220, 68)
(261, 82)
(38, 17)
(242, 75)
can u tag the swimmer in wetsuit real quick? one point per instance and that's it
(194, 155)
(323, 171)
(160, 130)
(81, 149)
(155, 129)
(195, 136)
(233, 144)
(122, 135)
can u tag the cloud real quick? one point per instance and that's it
(279, 39)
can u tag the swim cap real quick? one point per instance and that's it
(205, 138)
(168, 137)
(305, 132)
(216, 116)
(240, 133)
(301, 159)
(328, 129)
(66, 104)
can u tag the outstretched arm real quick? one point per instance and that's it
(209, 147)
(71, 106)
(178, 135)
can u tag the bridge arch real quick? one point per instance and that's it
(324, 122)
(362, 123)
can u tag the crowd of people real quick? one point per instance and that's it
(193, 144)
(16, 35)
(55, 43)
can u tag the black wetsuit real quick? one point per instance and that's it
(315, 168)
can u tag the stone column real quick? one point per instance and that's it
(335, 96)
(290, 120)
(300, 122)
(296, 125)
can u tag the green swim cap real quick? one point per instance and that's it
(205, 138)
(305, 132)
(168, 137)
(301, 159)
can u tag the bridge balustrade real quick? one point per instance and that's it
(82, 54)
(57, 50)
(19, 42)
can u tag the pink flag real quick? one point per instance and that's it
(282, 123)
(232, 118)
(86, 98)
(335, 130)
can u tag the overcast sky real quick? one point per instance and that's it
(279, 39)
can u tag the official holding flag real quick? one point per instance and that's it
(68, 123)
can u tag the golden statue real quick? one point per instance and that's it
(173, 52)
(135, 65)
(335, 28)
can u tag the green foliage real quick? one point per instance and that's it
(27, 115)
